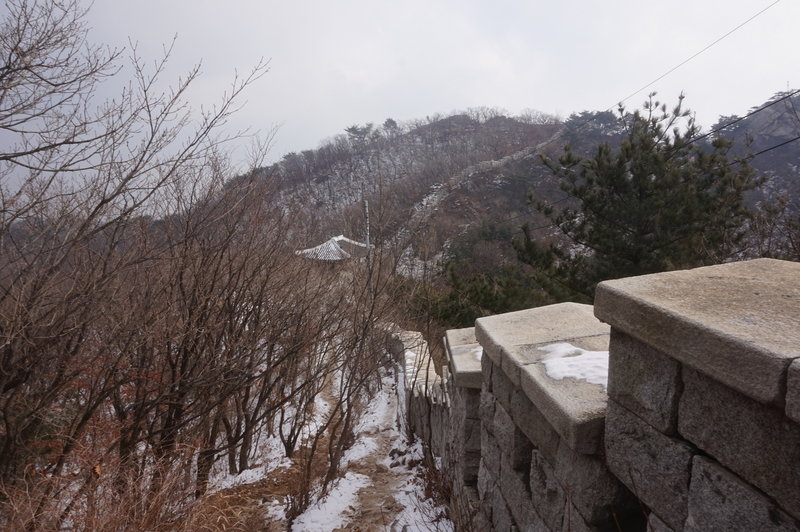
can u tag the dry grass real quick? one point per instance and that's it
(244, 508)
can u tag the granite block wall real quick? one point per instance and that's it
(697, 429)
(700, 425)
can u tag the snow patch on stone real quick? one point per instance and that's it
(565, 360)
(477, 352)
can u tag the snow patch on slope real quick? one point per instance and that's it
(270, 452)
(328, 513)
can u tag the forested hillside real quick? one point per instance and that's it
(157, 331)
(160, 335)
(451, 195)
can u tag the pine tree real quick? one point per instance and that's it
(661, 201)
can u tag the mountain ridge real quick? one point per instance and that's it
(443, 183)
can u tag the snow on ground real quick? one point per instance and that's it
(361, 449)
(271, 455)
(379, 415)
(275, 510)
(322, 410)
(566, 360)
(329, 512)
(270, 451)
(419, 513)
(353, 499)
(383, 484)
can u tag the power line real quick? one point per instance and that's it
(747, 158)
(784, 143)
(670, 71)
(676, 67)
(748, 115)
(673, 69)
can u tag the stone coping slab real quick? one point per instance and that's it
(464, 357)
(554, 323)
(459, 337)
(420, 373)
(575, 408)
(738, 323)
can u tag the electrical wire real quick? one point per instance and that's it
(676, 67)
(673, 69)
(784, 143)
(748, 115)
(712, 132)
(747, 158)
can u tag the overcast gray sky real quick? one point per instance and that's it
(334, 64)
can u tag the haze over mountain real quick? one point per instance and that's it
(176, 326)
(459, 183)
(332, 64)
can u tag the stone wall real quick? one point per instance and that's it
(702, 421)
(427, 406)
(443, 412)
(542, 459)
(699, 428)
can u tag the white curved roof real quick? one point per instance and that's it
(330, 250)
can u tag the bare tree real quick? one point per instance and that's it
(153, 316)
(79, 181)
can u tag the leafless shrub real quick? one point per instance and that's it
(153, 316)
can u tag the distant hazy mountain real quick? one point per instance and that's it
(773, 131)
(459, 184)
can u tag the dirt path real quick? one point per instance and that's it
(394, 499)
(382, 486)
(377, 506)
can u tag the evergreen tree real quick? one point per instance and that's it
(661, 201)
(482, 294)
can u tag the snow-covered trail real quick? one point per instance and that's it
(383, 486)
